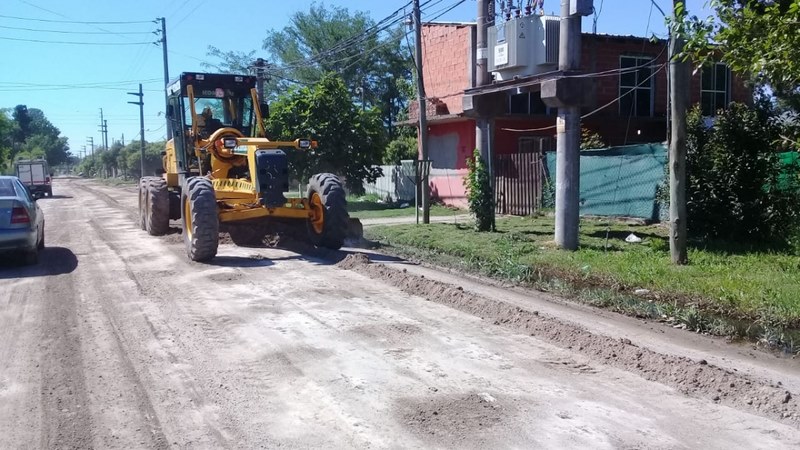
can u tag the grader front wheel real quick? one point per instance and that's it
(327, 226)
(200, 221)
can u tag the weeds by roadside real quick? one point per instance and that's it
(742, 294)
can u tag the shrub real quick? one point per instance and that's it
(479, 193)
(734, 189)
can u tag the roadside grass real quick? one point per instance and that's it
(118, 181)
(370, 207)
(727, 290)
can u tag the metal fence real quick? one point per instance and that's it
(518, 181)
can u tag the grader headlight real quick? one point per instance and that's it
(229, 143)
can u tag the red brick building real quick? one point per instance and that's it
(623, 107)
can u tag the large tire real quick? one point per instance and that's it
(326, 195)
(247, 235)
(157, 206)
(142, 204)
(200, 220)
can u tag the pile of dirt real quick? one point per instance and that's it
(462, 419)
(353, 261)
(693, 378)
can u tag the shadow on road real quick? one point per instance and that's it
(54, 197)
(52, 261)
(239, 261)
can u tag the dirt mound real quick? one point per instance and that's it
(694, 378)
(353, 260)
(464, 419)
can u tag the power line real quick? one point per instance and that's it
(73, 42)
(72, 32)
(74, 21)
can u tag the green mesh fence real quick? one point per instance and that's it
(617, 181)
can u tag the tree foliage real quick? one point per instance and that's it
(737, 187)
(29, 134)
(402, 147)
(479, 192)
(328, 39)
(591, 140)
(756, 37)
(124, 162)
(351, 139)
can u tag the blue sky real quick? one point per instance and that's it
(71, 82)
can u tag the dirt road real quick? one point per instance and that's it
(115, 340)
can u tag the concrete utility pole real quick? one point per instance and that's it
(482, 76)
(140, 94)
(105, 133)
(102, 130)
(483, 124)
(163, 41)
(423, 118)
(679, 96)
(568, 130)
(260, 69)
(90, 140)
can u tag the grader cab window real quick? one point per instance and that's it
(214, 113)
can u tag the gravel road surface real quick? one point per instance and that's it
(116, 340)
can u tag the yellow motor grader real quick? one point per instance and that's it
(220, 169)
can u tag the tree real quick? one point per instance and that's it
(351, 139)
(332, 39)
(6, 139)
(760, 38)
(33, 136)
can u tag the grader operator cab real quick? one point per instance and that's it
(220, 169)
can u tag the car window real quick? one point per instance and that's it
(22, 191)
(7, 188)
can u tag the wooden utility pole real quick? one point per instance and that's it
(568, 131)
(423, 117)
(679, 99)
(140, 94)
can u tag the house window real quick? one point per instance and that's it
(636, 86)
(715, 90)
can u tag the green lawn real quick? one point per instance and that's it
(370, 209)
(755, 286)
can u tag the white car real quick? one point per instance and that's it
(21, 221)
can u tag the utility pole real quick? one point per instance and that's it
(140, 94)
(102, 131)
(566, 94)
(259, 66)
(679, 96)
(483, 130)
(123, 139)
(163, 41)
(423, 117)
(105, 133)
(90, 139)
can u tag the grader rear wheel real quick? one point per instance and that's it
(328, 224)
(199, 218)
(156, 206)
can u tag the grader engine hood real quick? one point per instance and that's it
(269, 168)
